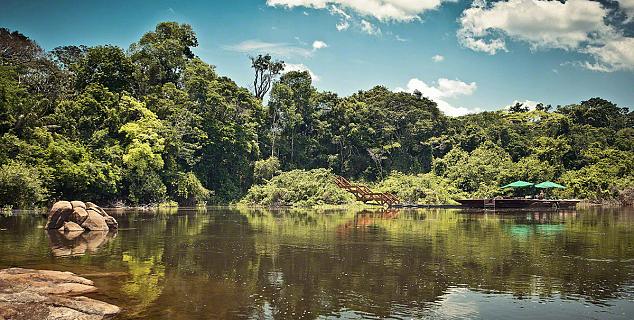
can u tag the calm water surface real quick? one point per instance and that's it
(220, 263)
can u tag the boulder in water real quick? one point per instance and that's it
(59, 214)
(78, 204)
(88, 216)
(95, 222)
(79, 215)
(70, 226)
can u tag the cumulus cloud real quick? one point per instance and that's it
(363, 14)
(444, 88)
(384, 10)
(288, 67)
(543, 24)
(527, 103)
(615, 54)
(317, 44)
(438, 58)
(576, 25)
(281, 49)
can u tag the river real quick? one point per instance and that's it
(222, 263)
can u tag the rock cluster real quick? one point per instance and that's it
(44, 294)
(78, 216)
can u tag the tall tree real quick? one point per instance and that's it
(105, 65)
(17, 49)
(161, 55)
(266, 71)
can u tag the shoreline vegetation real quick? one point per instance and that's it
(154, 124)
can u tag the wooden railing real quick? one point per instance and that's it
(366, 195)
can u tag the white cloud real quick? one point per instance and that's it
(444, 88)
(343, 25)
(542, 24)
(527, 103)
(384, 10)
(281, 49)
(337, 11)
(344, 22)
(438, 58)
(288, 67)
(317, 44)
(399, 38)
(616, 54)
(369, 28)
(360, 13)
(576, 25)
(452, 88)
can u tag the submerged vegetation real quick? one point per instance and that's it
(155, 123)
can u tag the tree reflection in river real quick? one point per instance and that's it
(290, 264)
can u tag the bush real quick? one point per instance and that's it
(608, 174)
(421, 188)
(626, 197)
(188, 190)
(480, 172)
(20, 186)
(145, 188)
(264, 170)
(299, 188)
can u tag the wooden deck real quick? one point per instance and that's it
(366, 195)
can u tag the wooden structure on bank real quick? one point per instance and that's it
(365, 194)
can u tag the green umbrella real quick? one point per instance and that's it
(518, 184)
(549, 184)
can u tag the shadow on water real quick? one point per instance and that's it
(302, 264)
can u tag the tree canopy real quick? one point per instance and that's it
(156, 123)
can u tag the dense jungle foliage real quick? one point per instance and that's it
(155, 123)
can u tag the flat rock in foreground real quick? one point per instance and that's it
(44, 294)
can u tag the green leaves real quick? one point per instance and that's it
(159, 124)
(299, 188)
(20, 186)
(425, 188)
(187, 190)
(105, 65)
(161, 55)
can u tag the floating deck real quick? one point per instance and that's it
(426, 206)
(518, 203)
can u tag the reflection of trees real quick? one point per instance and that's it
(299, 264)
(21, 237)
(370, 262)
(212, 273)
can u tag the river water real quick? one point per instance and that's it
(220, 263)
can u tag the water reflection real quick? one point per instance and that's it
(77, 243)
(297, 264)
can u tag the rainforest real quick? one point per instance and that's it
(153, 124)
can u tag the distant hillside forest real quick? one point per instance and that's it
(155, 123)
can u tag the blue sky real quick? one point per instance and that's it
(492, 53)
